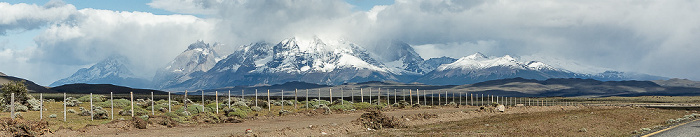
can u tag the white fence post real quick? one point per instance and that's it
(216, 100)
(352, 94)
(111, 102)
(132, 104)
(64, 107)
(256, 97)
(370, 95)
(295, 98)
(362, 96)
(12, 105)
(342, 94)
(282, 99)
(417, 97)
(410, 96)
(41, 106)
(92, 114)
(203, 104)
(169, 103)
(387, 98)
(153, 107)
(269, 107)
(229, 99)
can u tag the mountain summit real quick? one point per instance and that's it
(198, 58)
(112, 70)
(293, 59)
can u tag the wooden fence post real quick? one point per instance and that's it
(269, 107)
(92, 114)
(111, 102)
(352, 94)
(387, 98)
(12, 105)
(229, 99)
(295, 98)
(362, 97)
(370, 95)
(41, 106)
(203, 104)
(132, 104)
(342, 96)
(410, 96)
(169, 103)
(64, 107)
(283, 99)
(330, 95)
(216, 101)
(256, 97)
(439, 98)
(425, 99)
(184, 101)
(153, 103)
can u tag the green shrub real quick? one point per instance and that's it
(314, 104)
(95, 98)
(138, 111)
(237, 112)
(158, 107)
(118, 103)
(338, 105)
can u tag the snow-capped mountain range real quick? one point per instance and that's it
(332, 62)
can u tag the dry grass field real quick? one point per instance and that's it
(554, 119)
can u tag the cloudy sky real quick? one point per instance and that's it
(48, 40)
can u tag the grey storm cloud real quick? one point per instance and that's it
(23, 17)
(654, 37)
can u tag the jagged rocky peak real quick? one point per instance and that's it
(199, 57)
(433, 63)
(476, 56)
(295, 55)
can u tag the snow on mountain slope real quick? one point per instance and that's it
(112, 70)
(478, 67)
(400, 57)
(293, 59)
(291, 55)
(198, 58)
(480, 61)
(433, 63)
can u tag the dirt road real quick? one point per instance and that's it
(299, 124)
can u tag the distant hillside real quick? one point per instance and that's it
(675, 82)
(101, 89)
(31, 86)
(576, 87)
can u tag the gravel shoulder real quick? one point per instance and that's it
(338, 124)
